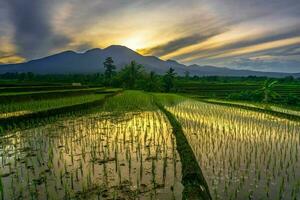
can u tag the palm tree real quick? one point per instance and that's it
(169, 79)
(268, 91)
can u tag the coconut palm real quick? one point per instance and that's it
(268, 90)
(168, 79)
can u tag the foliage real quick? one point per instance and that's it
(109, 70)
(168, 99)
(129, 75)
(150, 83)
(268, 90)
(292, 100)
(168, 80)
(246, 96)
(130, 100)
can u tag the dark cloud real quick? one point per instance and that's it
(266, 65)
(34, 36)
(179, 43)
(290, 51)
(175, 45)
(294, 32)
(32, 23)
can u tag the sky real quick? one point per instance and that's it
(261, 35)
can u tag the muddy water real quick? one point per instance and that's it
(100, 156)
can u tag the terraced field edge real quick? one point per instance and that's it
(45, 116)
(195, 185)
(266, 111)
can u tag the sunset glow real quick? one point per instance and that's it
(201, 32)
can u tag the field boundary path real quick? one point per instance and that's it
(257, 109)
(39, 117)
(29, 96)
(195, 185)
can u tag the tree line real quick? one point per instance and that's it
(134, 76)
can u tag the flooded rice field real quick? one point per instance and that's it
(99, 156)
(243, 154)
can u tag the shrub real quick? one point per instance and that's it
(246, 96)
(291, 100)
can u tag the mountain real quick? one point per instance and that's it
(91, 61)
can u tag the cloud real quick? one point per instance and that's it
(252, 40)
(176, 44)
(33, 34)
(261, 64)
(7, 59)
(192, 31)
(290, 51)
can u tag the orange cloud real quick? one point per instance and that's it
(11, 59)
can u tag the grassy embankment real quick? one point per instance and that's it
(223, 90)
(192, 176)
(20, 110)
(217, 93)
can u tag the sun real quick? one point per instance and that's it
(133, 43)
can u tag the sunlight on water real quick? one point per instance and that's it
(96, 156)
(243, 154)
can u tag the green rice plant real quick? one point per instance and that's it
(243, 149)
(96, 155)
(1, 189)
(20, 108)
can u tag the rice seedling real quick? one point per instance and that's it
(243, 154)
(21, 108)
(102, 155)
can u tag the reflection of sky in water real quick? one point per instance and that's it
(100, 155)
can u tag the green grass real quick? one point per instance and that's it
(46, 92)
(222, 90)
(168, 99)
(13, 109)
(15, 89)
(130, 100)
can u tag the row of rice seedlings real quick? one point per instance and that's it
(20, 108)
(96, 156)
(243, 154)
(277, 108)
(285, 110)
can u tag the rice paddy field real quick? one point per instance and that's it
(132, 146)
(243, 154)
(20, 108)
(110, 154)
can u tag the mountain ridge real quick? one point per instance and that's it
(91, 61)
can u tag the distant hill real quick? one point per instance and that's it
(91, 61)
